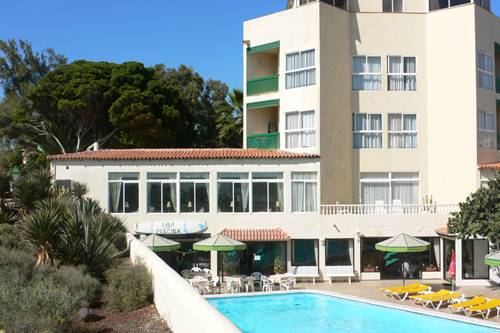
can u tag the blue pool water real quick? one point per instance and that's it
(315, 313)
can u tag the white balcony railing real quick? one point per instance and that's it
(389, 209)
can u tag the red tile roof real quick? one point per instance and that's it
(180, 154)
(249, 235)
(491, 166)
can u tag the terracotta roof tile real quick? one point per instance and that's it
(249, 235)
(490, 166)
(180, 154)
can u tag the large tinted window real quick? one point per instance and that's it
(473, 253)
(339, 252)
(304, 252)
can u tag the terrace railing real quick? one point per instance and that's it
(388, 209)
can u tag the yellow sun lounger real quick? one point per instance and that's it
(419, 298)
(437, 301)
(402, 294)
(462, 306)
(484, 309)
(389, 290)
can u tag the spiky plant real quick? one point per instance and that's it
(42, 228)
(79, 190)
(31, 188)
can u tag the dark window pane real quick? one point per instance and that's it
(202, 205)
(398, 6)
(338, 252)
(387, 6)
(259, 197)
(131, 197)
(63, 184)
(169, 198)
(341, 4)
(187, 197)
(154, 197)
(458, 2)
(275, 197)
(303, 252)
(115, 198)
(473, 253)
(241, 193)
(224, 197)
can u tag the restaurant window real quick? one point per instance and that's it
(371, 258)
(473, 253)
(367, 130)
(389, 188)
(267, 192)
(339, 252)
(123, 192)
(366, 73)
(304, 252)
(233, 192)
(194, 192)
(304, 192)
(162, 193)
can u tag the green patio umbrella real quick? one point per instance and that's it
(493, 259)
(219, 243)
(160, 244)
(403, 243)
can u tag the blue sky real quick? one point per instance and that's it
(203, 34)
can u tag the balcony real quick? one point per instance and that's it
(389, 209)
(264, 141)
(262, 85)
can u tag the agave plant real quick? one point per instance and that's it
(42, 228)
(31, 188)
(79, 190)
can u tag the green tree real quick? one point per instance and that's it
(479, 215)
(230, 121)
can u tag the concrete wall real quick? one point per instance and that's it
(182, 308)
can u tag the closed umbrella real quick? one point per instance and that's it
(219, 243)
(403, 243)
(160, 244)
(452, 270)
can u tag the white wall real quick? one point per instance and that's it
(183, 309)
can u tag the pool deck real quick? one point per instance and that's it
(370, 290)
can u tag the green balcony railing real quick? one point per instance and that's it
(262, 85)
(264, 141)
(498, 85)
(498, 141)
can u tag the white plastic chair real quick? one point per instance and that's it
(249, 284)
(258, 281)
(267, 283)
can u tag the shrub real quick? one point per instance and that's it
(129, 288)
(38, 307)
(16, 265)
(11, 236)
(86, 289)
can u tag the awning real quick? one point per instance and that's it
(443, 231)
(490, 166)
(256, 235)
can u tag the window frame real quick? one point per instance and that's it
(392, 6)
(301, 130)
(267, 181)
(162, 182)
(304, 181)
(368, 131)
(316, 247)
(363, 74)
(123, 188)
(300, 69)
(403, 131)
(389, 180)
(349, 240)
(485, 130)
(483, 71)
(195, 182)
(247, 181)
(402, 73)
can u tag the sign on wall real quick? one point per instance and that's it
(170, 228)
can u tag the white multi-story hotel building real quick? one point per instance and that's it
(362, 119)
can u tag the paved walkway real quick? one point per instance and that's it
(370, 290)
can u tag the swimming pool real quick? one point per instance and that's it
(315, 313)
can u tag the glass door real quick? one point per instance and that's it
(448, 249)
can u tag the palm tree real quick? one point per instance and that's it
(230, 121)
(31, 188)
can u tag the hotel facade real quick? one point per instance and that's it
(362, 120)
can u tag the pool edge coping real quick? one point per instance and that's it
(423, 311)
